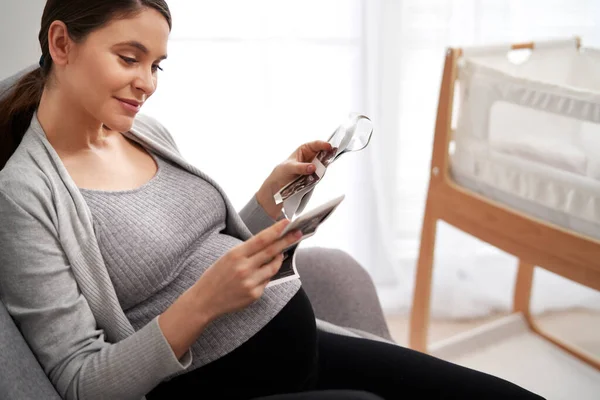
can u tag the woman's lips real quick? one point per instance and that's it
(130, 105)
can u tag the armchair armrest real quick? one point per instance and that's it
(340, 290)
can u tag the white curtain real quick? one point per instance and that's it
(247, 82)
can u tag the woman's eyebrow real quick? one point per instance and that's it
(141, 47)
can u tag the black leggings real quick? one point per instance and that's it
(290, 360)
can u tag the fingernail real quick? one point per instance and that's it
(298, 234)
(310, 169)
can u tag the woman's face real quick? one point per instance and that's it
(114, 70)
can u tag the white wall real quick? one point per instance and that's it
(19, 29)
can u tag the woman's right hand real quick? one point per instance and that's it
(235, 281)
(240, 276)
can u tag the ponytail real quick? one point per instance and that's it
(17, 106)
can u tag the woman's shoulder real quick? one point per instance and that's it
(27, 188)
(23, 179)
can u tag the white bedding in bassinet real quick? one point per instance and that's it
(551, 194)
(528, 135)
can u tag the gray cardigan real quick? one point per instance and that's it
(54, 282)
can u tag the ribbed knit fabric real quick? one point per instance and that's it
(157, 240)
(55, 284)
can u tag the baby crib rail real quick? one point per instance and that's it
(501, 48)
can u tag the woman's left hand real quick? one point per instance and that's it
(299, 163)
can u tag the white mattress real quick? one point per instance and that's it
(555, 195)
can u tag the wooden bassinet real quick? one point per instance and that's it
(481, 181)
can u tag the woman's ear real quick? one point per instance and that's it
(59, 43)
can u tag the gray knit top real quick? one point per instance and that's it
(158, 239)
(55, 283)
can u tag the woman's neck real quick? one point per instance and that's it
(68, 126)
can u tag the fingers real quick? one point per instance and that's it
(299, 162)
(309, 150)
(264, 274)
(317, 146)
(273, 250)
(263, 239)
(303, 168)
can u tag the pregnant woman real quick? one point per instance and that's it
(127, 269)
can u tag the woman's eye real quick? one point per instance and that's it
(128, 60)
(131, 61)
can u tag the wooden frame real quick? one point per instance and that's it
(534, 242)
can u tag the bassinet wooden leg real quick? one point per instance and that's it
(419, 321)
(522, 291)
(522, 302)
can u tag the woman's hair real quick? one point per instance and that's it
(81, 18)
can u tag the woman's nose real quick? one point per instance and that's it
(146, 82)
